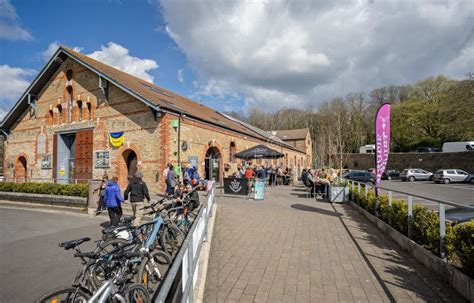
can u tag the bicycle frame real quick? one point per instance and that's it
(157, 223)
(103, 293)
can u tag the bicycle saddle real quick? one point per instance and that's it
(73, 243)
(128, 220)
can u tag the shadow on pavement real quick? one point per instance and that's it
(315, 209)
(407, 275)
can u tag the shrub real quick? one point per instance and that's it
(76, 190)
(459, 240)
(462, 245)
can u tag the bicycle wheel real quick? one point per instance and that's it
(173, 237)
(137, 293)
(151, 270)
(67, 294)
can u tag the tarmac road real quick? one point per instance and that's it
(31, 263)
(460, 193)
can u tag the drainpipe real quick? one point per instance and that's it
(179, 139)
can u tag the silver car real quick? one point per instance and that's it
(450, 175)
(415, 174)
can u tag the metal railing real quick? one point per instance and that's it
(188, 256)
(441, 209)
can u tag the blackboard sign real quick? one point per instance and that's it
(235, 186)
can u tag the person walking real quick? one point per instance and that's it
(171, 179)
(138, 192)
(101, 190)
(113, 201)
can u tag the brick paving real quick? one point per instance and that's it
(289, 248)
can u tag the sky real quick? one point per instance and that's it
(233, 55)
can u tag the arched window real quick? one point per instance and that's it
(60, 114)
(89, 111)
(79, 107)
(232, 152)
(49, 117)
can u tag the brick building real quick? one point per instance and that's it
(60, 128)
(299, 139)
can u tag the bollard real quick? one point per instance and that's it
(358, 187)
(410, 215)
(389, 207)
(442, 231)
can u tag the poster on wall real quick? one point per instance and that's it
(193, 161)
(102, 159)
(46, 162)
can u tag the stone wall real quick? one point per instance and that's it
(428, 161)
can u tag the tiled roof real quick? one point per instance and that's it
(162, 97)
(292, 134)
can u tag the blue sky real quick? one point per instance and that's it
(136, 25)
(237, 54)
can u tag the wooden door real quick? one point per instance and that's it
(84, 153)
(21, 171)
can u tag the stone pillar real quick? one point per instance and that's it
(93, 197)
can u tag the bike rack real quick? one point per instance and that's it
(188, 256)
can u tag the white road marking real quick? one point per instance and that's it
(51, 211)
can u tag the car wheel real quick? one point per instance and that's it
(411, 179)
(446, 181)
(431, 178)
(472, 181)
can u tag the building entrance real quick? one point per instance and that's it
(213, 164)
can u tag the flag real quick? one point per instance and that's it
(116, 139)
(382, 140)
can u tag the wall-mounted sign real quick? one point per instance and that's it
(102, 159)
(62, 170)
(46, 162)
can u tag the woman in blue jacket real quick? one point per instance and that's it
(113, 201)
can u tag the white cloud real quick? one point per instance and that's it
(280, 53)
(118, 56)
(181, 75)
(14, 81)
(53, 47)
(10, 26)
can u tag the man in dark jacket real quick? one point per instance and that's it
(113, 201)
(138, 191)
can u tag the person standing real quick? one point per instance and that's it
(101, 189)
(171, 179)
(165, 177)
(138, 192)
(113, 200)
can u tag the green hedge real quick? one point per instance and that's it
(459, 239)
(76, 190)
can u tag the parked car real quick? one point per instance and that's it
(452, 175)
(360, 176)
(428, 150)
(415, 174)
(391, 174)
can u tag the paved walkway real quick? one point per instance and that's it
(289, 248)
